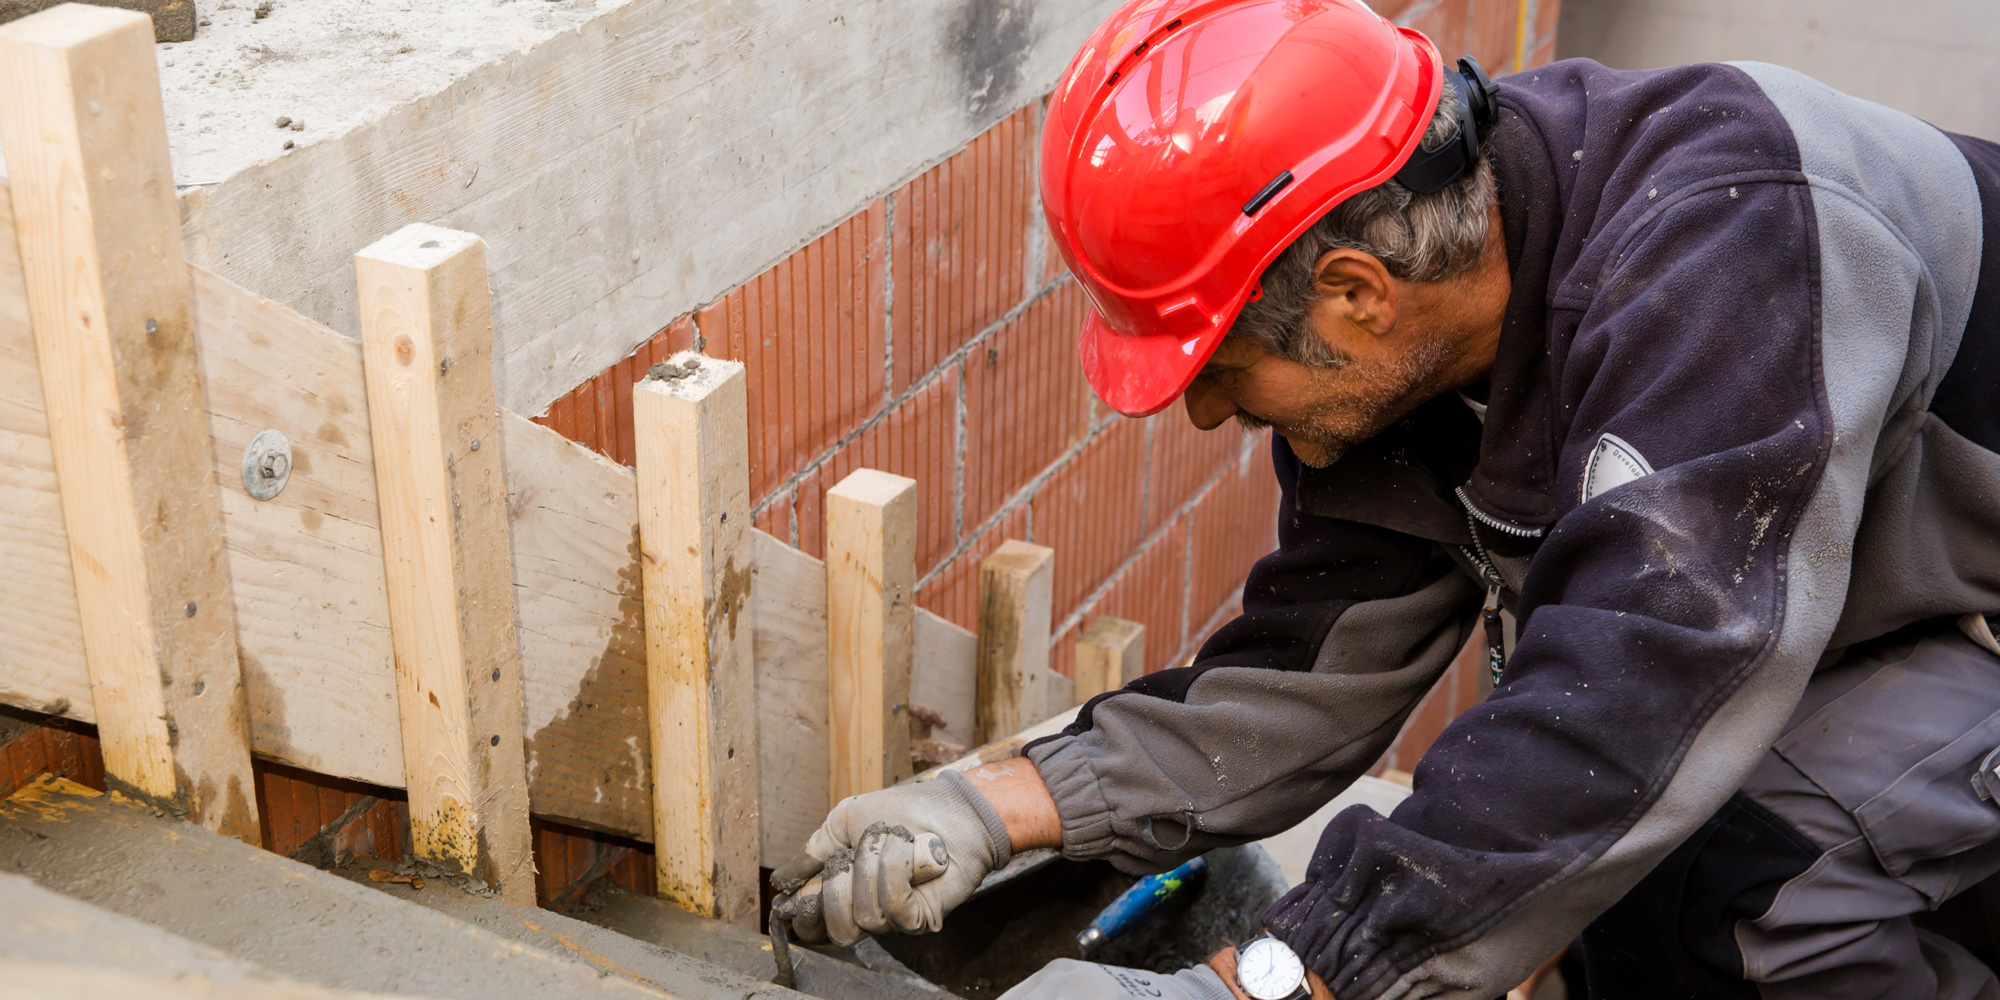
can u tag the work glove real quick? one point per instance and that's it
(898, 859)
(1069, 979)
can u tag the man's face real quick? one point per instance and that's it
(1322, 410)
(1390, 345)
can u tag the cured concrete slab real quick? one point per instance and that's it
(649, 919)
(296, 921)
(646, 939)
(21, 979)
(37, 925)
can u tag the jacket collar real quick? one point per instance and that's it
(1515, 478)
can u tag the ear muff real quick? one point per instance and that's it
(1432, 169)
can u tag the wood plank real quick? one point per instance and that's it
(41, 639)
(945, 676)
(788, 603)
(427, 341)
(1009, 745)
(317, 661)
(694, 510)
(871, 585)
(575, 521)
(788, 628)
(111, 308)
(1015, 594)
(312, 606)
(1110, 653)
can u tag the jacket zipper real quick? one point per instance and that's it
(1489, 616)
(1493, 522)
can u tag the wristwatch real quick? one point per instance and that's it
(1268, 969)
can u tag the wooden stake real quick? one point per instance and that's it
(871, 585)
(1110, 653)
(694, 513)
(1016, 589)
(110, 304)
(427, 346)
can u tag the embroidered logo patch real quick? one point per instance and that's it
(1612, 464)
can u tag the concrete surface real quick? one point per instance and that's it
(658, 953)
(624, 171)
(25, 980)
(648, 919)
(226, 86)
(37, 925)
(296, 921)
(1936, 59)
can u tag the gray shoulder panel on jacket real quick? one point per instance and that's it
(1911, 178)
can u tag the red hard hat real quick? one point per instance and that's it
(1191, 141)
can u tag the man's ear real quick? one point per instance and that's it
(1358, 288)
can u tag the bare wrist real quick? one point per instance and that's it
(1016, 791)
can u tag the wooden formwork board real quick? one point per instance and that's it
(41, 642)
(311, 606)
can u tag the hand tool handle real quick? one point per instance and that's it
(1145, 896)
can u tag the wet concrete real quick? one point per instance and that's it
(1003, 936)
(277, 914)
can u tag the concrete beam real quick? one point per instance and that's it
(294, 920)
(641, 165)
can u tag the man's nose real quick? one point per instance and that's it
(1207, 405)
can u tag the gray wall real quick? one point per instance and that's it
(1937, 59)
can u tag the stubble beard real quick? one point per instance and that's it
(1357, 401)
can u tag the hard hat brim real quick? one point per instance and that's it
(1140, 375)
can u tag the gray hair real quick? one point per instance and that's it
(1417, 237)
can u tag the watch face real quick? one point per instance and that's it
(1268, 970)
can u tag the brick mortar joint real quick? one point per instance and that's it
(916, 387)
(1090, 600)
(1025, 495)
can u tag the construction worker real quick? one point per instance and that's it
(1691, 375)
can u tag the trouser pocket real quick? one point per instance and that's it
(1901, 753)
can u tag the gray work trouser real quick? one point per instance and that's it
(1830, 874)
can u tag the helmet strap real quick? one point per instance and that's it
(1430, 170)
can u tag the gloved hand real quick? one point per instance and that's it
(897, 859)
(1069, 979)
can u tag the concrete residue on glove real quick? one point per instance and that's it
(898, 859)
